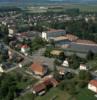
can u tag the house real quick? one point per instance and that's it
(5, 67)
(39, 89)
(48, 35)
(50, 81)
(93, 85)
(10, 54)
(12, 31)
(39, 69)
(83, 67)
(45, 84)
(1, 68)
(25, 49)
(65, 63)
(61, 71)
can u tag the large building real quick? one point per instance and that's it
(48, 35)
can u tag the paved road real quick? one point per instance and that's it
(72, 70)
(24, 62)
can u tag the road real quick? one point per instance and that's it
(72, 70)
(24, 62)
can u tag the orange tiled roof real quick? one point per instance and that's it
(36, 67)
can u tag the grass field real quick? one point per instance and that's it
(60, 8)
(86, 94)
(60, 95)
(83, 8)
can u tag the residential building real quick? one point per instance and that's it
(39, 69)
(39, 89)
(93, 85)
(1, 68)
(83, 67)
(25, 49)
(10, 54)
(12, 31)
(65, 63)
(61, 71)
(5, 67)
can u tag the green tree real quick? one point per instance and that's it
(84, 75)
(90, 55)
(74, 61)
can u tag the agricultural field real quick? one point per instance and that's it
(62, 8)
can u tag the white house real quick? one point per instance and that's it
(65, 63)
(10, 54)
(4, 22)
(83, 67)
(93, 85)
(1, 68)
(25, 49)
(11, 32)
(48, 35)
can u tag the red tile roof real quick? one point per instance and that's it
(25, 46)
(39, 87)
(50, 81)
(93, 82)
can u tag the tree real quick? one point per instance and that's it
(90, 55)
(84, 75)
(57, 62)
(52, 42)
(74, 61)
(62, 56)
(56, 74)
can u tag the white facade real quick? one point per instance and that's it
(92, 87)
(65, 63)
(4, 23)
(1, 69)
(53, 34)
(25, 50)
(11, 32)
(83, 67)
(44, 35)
(20, 65)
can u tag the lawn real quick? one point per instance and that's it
(54, 92)
(86, 94)
(92, 64)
